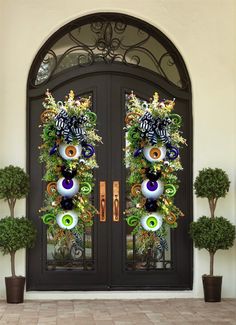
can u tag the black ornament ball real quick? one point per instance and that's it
(83, 143)
(68, 173)
(151, 205)
(153, 176)
(67, 204)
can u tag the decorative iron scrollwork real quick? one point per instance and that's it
(109, 42)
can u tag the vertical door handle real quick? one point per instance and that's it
(116, 201)
(102, 201)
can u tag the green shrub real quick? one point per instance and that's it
(212, 234)
(211, 184)
(216, 232)
(14, 184)
(15, 233)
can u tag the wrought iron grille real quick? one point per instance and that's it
(109, 41)
(150, 260)
(75, 254)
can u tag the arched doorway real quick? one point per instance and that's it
(105, 56)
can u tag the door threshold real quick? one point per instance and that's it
(107, 295)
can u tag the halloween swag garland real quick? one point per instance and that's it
(69, 137)
(152, 156)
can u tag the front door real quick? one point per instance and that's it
(107, 257)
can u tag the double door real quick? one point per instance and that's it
(107, 257)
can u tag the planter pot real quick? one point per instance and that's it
(212, 288)
(15, 289)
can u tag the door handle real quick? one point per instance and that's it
(102, 202)
(116, 201)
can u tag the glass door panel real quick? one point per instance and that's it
(75, 251)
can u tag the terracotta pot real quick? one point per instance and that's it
(15, 289)
(212, 288)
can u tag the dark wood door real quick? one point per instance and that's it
(112, 262)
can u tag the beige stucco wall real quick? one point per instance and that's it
(204, 31)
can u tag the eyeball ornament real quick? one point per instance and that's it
(70, 151)
(151, 222)
(67, 187)
(152, 189)
(67, 220)
(154, 153)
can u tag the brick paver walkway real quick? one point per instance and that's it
(118, 312)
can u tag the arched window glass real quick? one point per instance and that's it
(110, 41)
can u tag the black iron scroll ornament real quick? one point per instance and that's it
(109, 41)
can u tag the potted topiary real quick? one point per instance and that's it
(15, 233)
(212, 233)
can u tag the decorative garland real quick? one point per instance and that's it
(69, 137)
(152, 155)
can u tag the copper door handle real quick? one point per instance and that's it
(102, 202)
(116, 201)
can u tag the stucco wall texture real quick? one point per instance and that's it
(204, 31)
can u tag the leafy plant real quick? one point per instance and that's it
(14, 184)
(212, 233)
(15, 233)
(212, 184)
